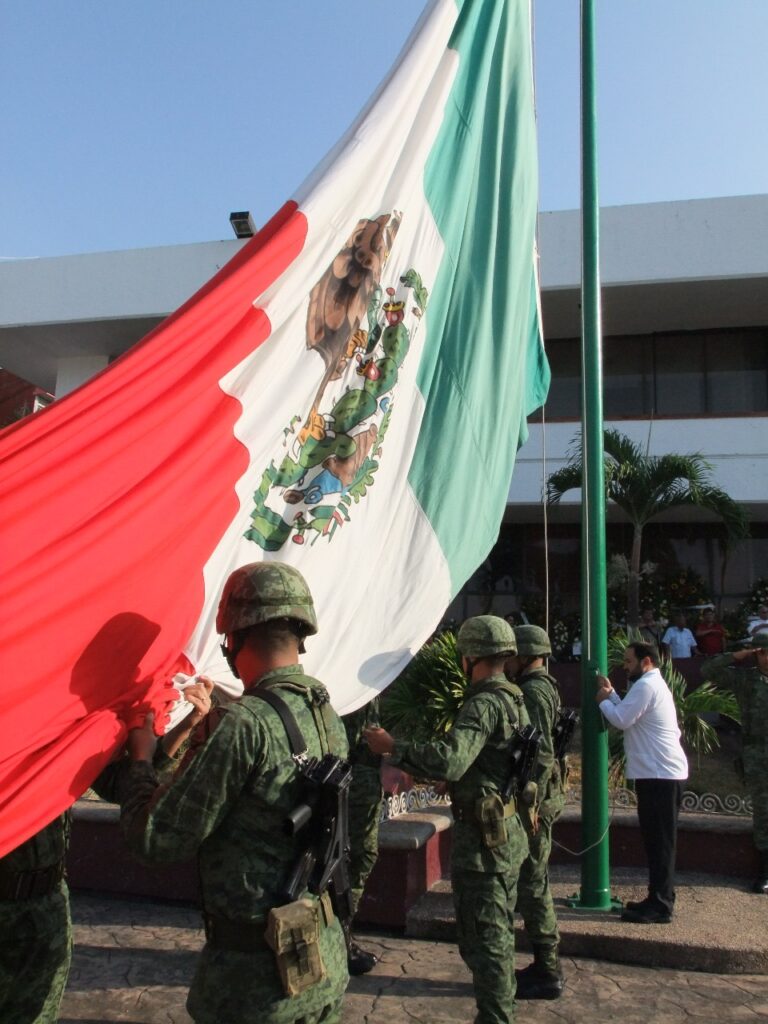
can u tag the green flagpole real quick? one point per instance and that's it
(595, 875)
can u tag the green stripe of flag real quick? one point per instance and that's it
(483, 369)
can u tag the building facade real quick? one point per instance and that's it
(685, 325)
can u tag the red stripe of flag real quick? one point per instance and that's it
(112, 501)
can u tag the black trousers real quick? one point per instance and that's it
(658, 804)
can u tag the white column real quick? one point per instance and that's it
(72, 371)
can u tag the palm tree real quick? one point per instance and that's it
(644, 486)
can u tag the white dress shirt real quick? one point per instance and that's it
(648, 719)
(680, 642)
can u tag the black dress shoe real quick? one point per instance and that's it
(535, 982)
(636, 904)
(360, 961)
(646, 913)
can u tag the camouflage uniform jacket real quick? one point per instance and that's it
(542, 702)
(228, 801)
(750, 687)
(474, 758)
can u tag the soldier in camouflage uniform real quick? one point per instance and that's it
(365, 795)
(36, 928)
(228, 803)
(543, 979)
(35, 922)
(746, 673)
(489, 841)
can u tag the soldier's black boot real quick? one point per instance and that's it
(359, 961)
(541, 979)
(761, 882)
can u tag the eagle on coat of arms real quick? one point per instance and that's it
(332, 459)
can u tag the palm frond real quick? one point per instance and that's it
(645, 486)
(562, 480)
(426, 696)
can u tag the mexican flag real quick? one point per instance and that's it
(348, 395)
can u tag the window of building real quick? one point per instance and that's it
(680, 375)
(737, 372)
(710, 373)
(627, 377)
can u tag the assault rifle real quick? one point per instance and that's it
(563, 733)
(323, 820)
(524, 750)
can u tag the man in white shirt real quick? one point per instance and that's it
(679, 640)
(656, 762)
(758, 623)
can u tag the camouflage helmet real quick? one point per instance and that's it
(486, 636)
(760, 639)
(532, 642)
(262, 591)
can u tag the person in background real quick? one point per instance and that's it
(710, 635)
(746, 673)
(678, 641)
(758, 623)
(650, 629)
(365, 795)
(657, 764)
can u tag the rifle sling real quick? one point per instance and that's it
(291, 726)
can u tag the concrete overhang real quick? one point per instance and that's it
(95, 303)
(688, 265)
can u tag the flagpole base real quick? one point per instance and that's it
(595, 901)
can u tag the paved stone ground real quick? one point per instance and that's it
(718, 925)
(133, 962)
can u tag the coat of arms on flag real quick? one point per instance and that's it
(333, 457)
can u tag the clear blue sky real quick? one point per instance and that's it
(128, 123)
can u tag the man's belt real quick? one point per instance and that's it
(29, 885)
(237, 936)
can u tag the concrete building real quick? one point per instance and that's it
(685, 321)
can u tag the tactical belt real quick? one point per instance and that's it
(29, 885)
(242, 936)
(465, 814)
(237, 936)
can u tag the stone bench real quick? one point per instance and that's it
(414, 853)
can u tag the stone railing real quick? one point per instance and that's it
(417, 799)
(730, 804)
(421, 797)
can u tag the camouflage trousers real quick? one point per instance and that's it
(534, 898)
(485, 905)
(756, 783)
(245, 988)
(35, 953)
(365, 795)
